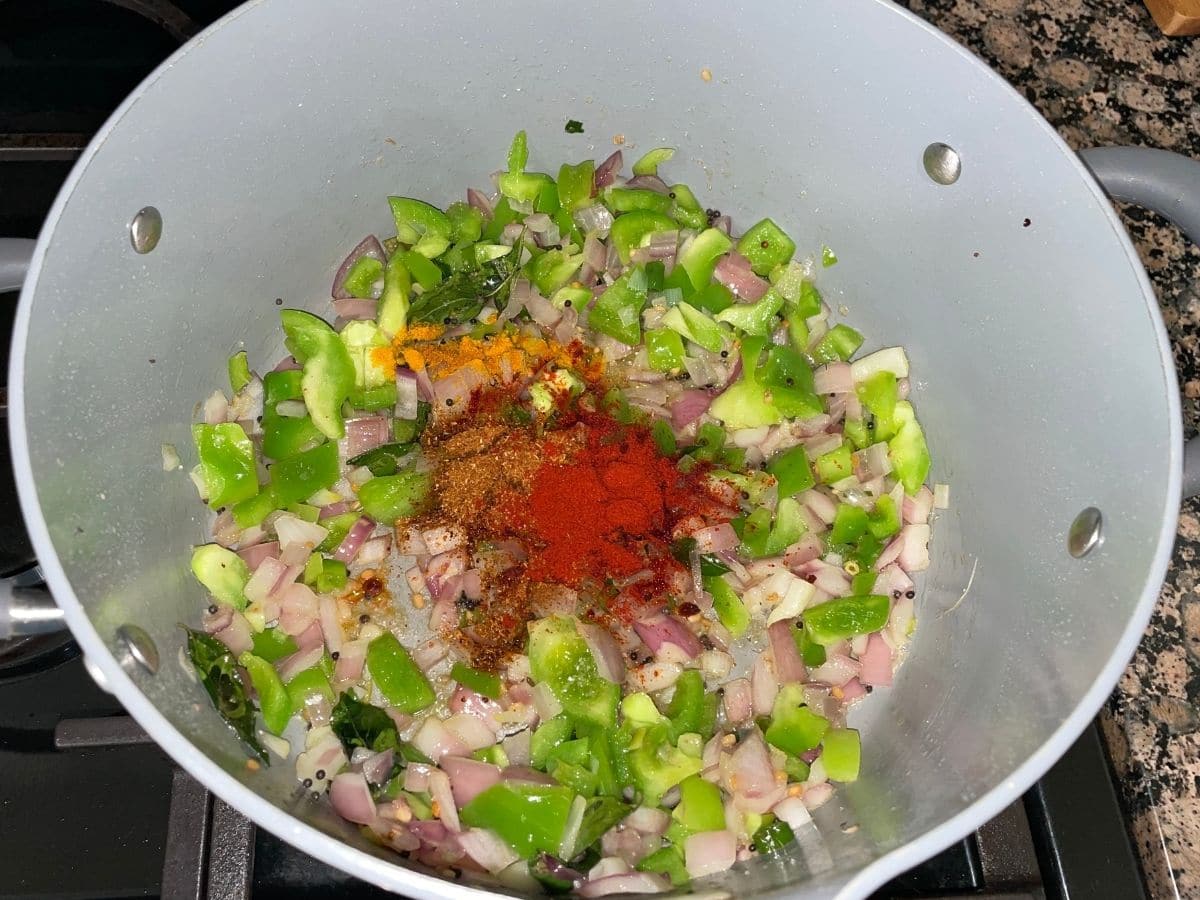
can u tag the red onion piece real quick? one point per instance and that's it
(834, 378)
(689, 406)
(914, 554)
(336, 509)
(429, 653)
(424, 385)
(351, 798)
(738, 701)
(708, 852)
(368, 246)
(355, 309)
(876, 662)
(237, 635)
(723, 223)
(435, 740)
(664, 629)
(366, 433)
(299, 608)
(837, 669)
(542, 310)
(806, 549)
(479, 200)
(486, 849)
(891, 552)
(750, 777)
(253, 556)
(789, 667)
(852, 690)
(649, 182)
(525, 775)
(610, 661)
(918, 507)
(456, 388)
(291, 666)
(473, 731)
(716, 538)
(733, 270)
(564, 331)
(408, 395)
(377, 767)
(472, 584)
(357, 536)
(608, 170)
(648, 820)
(331, 626)
(763, 686)
(628, 883)
(469, 778)
(443, 798)
(219, 620)
(467, 702)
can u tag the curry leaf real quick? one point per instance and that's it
(385, 459)
(359, 724)
(217, 668)
(463, 294)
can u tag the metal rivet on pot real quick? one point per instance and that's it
(145, 229)
(1086, 533)
(942, 163)
(139, 646)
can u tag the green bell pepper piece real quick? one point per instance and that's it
(466, 222)
(639, 711)
(666, 861)
(375, 398)
(756, 533)
(407, 431)
(656, 765)
(239, 371)
(333, 576)
(273, 698)
(494, 754)
(361, 279)
(908, 451)
(547, 200)
(811, 652)
(880, 394)
(479, 682)
(699, 258)
(849, 524)
(692, 709)
(600, 814)
(862, 583)
(300, 476)
(794, 728)
(754, 318)
(628, 231)
(273, 645)
(518, 152)
(746, 403)
(650, 161)
(249, 513)
(426, 273)
(618, 311)
(222, 572)
(841, 752)
(530, 818)
(549, 735)
(624, 200)
(835, 465)
(393, 303)
(423, 227)
(766, 245)
(773, 835)
(828, 257)
(312, 569)
(328, 374)
(552, 270)
(396, 675)
(785, 367)
(664, 437)
(857, 432)
(524, 187)
(339, 526)
(792, 471)
(694, 325)
(577, 752)
(226, 463)
(838, 343)
(285, 436)
(884, 520)
(575, 185)
(560, 657)
(846, 617)
(700, 807)
(502, 214)
(393, 497)
(664, 349)
(730, 610)
(687, 210)
(713, 297)
(582, 781)
(361, 339)
(789, 526)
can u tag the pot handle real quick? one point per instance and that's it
(26, 606)
(1169, 184)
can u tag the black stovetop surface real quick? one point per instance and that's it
(90, 809)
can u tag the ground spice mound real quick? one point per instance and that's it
(574, 502)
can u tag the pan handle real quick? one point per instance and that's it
(26, 606)
(1169, 184)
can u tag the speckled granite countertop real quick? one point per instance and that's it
(1102, 73)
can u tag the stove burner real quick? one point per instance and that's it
(23, 656)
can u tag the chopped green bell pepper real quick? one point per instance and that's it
(273, 698)
(397, 676)
(226, 463)
(713, 297)
(618, 311)
(628, 231)
(552, 270)
(361, 279)
(575, 185)
(423, 227)
(249, 513)
(835, 465)
(789, 526)
(560, 658)
(300, 476)
(884, 519)
(811, 652)
(794, 728)
(908, 451)
(333, 576)
(549, 735)
(766, 245)
(687, 210)
(667, 861)
(700, 807)
(425, 273)
(772, 836)
(273, 645)
(695, 326)
(838, 343)
(746, 403)
(524, 187)
(756, 533)
(792, 471)
(393, 497)
(285, 436)
(730, 610)
(479, 682)
(692, 709)
(328, 374)
(699, 258)
(393, 303)
(624, 200)
(849, 524)
(650, 161)
(754, 318)
(664, 437)
(841, 753)
(239, 371)
(664, 350)
(846, 617)
(222, 572)
(879, 394)
(466, 222)
(656, 765)
(530, 818)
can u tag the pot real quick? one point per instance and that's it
(966, 229)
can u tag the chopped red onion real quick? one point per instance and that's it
(331, 625)
(852, 690)
(469, 778)
(733, 270)
(660, 630)
(216, 409)
(789, 667)
(355, 309)
(608, 170)
(793, 811)
(377, 767)
(738, 701)
(350, 661)
(564, 331)
(606, 866)
(689, 406)
(836, 670)
(480, 201)
(629, 883)
(366, 433)
(763, 686)
(310, 637)
(873, 462)
(351, 798)
(212, 622)
(299, 608)
(723, 223)
(351, 544)
(542, 310)
(610, 661)
(443, 799)
(253, 556)
(424, 385)
(808, 548)
(435, 740)
(473, 731)
(749, 776)
(292, 665)
(486, 849)
(914, 553)
(407, 395)
(716, 538)
(525, 775)
(708, 852)
(429, 653)
(595, 219)
(455, 389)
(369, 246)
(918, 507)
(834, 378)
(649, 182)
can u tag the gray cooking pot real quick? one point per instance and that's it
(1042, 369)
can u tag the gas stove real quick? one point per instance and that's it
(90, 807)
